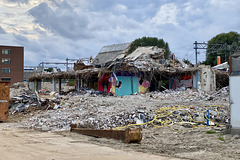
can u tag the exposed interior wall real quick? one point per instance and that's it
(113, 82)
(181, 81)
(143, 85)
(196, 80)
(207, 79)
(104, 84)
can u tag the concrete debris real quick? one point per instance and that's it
(90, 109)
(93, 111)
(191, 95)
(22, 101)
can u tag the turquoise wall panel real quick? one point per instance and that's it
(129, 86)
(135, 84)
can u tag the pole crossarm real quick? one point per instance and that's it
(214, 48)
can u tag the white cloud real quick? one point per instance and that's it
(120, 8)
(166, 14)
(18, 1)
(59, 29)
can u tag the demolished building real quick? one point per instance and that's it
(119, 73)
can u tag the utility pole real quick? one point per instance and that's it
(67, 64)
(225, 51)
(215, 48)
(195, 47)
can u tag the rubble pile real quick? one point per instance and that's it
(17, 88)
(89, 111)
(191, 95)
(23, 101)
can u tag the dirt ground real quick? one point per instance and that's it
(190, 144)
(179, 142)
(23, 144)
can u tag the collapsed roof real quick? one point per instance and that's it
(111, 53)
(114, 58)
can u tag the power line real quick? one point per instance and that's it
(215, 48)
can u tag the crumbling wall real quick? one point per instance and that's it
(207, 79)
(143, 86)
(103, 83)
(181, 81)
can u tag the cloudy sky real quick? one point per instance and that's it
(53, 30)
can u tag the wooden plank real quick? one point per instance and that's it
(127, 135)
(4, 100)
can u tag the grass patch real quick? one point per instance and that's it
(210, 132)
(220, 137)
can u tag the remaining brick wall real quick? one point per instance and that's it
(17, 63)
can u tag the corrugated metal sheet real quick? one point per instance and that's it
(110, 53)
(145, 52)
(115, 47)
(108, 57)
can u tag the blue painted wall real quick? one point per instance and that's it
(128, 87)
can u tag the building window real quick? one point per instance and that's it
(6, 79)
(6, 70)
(6, 60)
(6, 51)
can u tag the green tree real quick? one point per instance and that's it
(150, 41)
(49, 69)
(186, 61)
(231, 38)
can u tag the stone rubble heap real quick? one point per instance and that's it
(191, 95)
(90, 109)
(99, 112)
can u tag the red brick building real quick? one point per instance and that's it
(11, 65)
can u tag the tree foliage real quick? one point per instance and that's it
(231, 38)
(49, 69)
(186, 61)
(149, 41)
